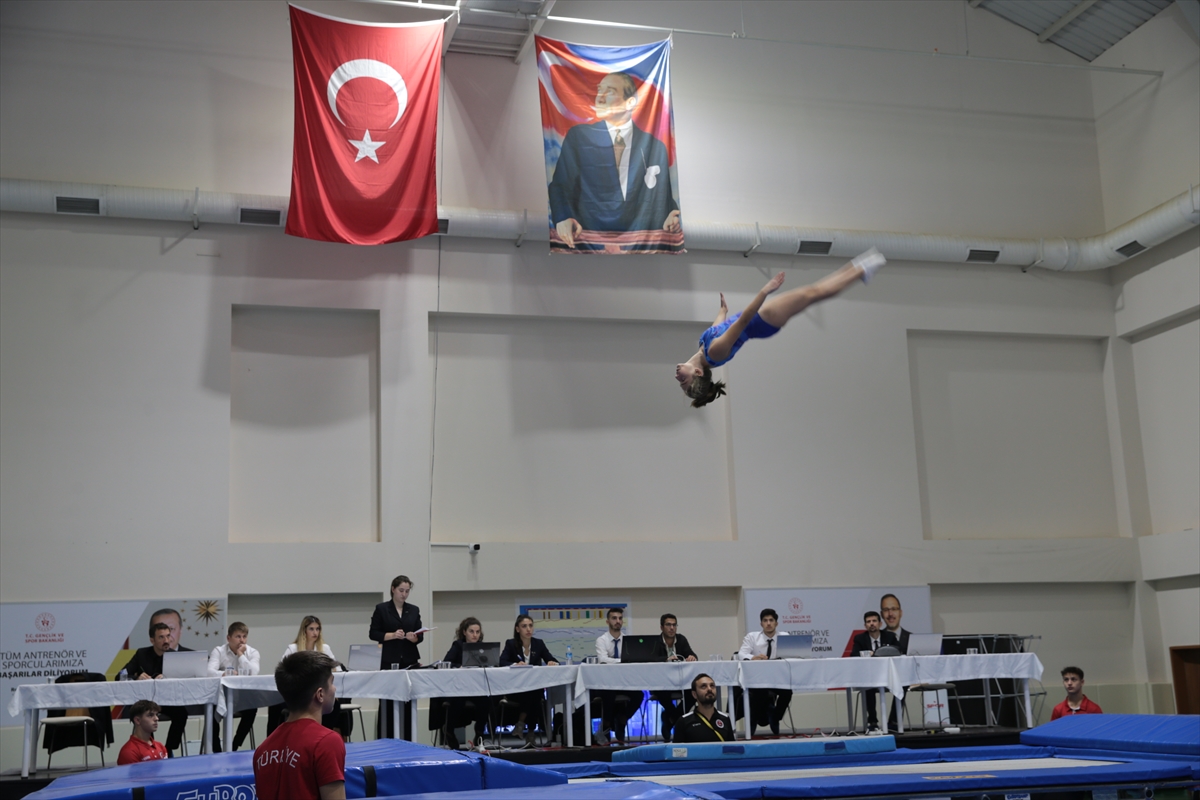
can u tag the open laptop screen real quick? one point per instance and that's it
(481, 654)
(185, 664)
(363, 658)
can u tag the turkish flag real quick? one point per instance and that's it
(363, 160)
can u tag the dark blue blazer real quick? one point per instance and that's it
(587, 187)
(538, 653)
(396, 651)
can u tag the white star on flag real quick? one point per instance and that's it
(366, 148)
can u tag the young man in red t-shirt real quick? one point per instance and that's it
(141, 745)
(1076, 702)
(301, 759)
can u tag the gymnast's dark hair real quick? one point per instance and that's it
(703, 389)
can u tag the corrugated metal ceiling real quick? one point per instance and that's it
(502, 32)
(1087, 27)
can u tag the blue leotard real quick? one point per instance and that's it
(758, 328)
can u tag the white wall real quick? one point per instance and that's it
(115, 337)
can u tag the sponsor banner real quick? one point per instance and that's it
(833, 616)
(608, 135)
(41, 641)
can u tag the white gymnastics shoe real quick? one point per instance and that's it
(870, 262)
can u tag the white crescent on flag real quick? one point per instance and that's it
(367, 68)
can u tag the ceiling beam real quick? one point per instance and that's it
(1061, 22)
(535, 26)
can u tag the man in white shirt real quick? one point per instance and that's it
(235, 654)
(767, 706)
(616, 707)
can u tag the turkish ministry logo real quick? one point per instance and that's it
(44, 622)
(796, 605)
(367, 68)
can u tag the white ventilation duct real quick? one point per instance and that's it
(1096, 252)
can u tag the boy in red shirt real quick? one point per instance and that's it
(141, 745)
(301, 759)
(1076, 702)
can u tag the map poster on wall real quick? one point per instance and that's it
(41, 641)
(833, 616)
(574, 624)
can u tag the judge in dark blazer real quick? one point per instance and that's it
(394, 625)
(872, 639)
(525, 648)
(449, 713)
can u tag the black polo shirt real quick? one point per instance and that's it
(693, 727)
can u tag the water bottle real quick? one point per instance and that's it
(570, 660)
(123, 675)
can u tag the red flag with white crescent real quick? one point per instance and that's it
(363, 160)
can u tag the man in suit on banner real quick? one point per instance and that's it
(611, 175)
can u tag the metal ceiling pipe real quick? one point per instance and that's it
(1156, 226)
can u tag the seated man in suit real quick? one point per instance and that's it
(767, 706)
(869, 641)
(704, 723)
(147, 662)
(671, 646)
(616, 707)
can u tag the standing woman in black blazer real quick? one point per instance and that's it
(394, 625)
(525, 648)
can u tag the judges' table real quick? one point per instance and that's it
(31, 698)
(489, 681)
(818, 675)
(987, 666)
(660, 676)
(254, 691)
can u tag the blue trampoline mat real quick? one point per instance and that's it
(608, 790)
(950, 771)
(395, 766)
(739, 751)
(1151, 734)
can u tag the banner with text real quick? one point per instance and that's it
(833, 616)
(41, 641)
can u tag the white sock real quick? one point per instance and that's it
(870, 262)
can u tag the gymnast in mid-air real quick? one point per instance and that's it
(761, 319)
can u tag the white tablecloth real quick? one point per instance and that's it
(489, 681)
(677, 676)
(821, 674)
(947, 669)
(165, 692)
(259, 690)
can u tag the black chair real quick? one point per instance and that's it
(78, 727)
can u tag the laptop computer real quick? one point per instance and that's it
(794, 646)
(924, 644)
(185, 664)
(363, 658)
(481, 654)
(638, 649)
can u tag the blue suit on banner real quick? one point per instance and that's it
(587, 188)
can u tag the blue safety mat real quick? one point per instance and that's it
(601, 769)
(608, 790)
(1131, 733)
(393, 766)
(784, 748)
(966, 780)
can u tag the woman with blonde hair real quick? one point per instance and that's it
(309, 638)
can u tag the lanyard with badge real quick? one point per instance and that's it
(710, 726)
